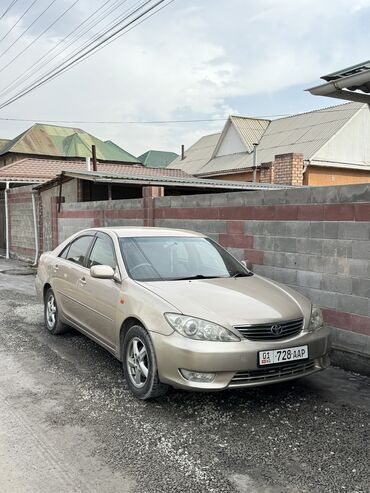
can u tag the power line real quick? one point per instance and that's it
(138, 122)
(69, 63)
(20, 18)
(160, 122)
(27, 29)
(13, 2)
(32, 68)
(84, 45)
(40, 35)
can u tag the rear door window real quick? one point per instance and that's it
(79, 249)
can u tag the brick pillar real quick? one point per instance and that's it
(266, 173)
(288, 169)
(149, 194)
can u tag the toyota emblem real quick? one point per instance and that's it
(276, 330)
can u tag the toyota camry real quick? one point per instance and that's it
(178, 310)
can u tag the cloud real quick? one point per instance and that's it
(190, 62)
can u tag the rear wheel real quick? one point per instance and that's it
(140, 365)
(51, 314)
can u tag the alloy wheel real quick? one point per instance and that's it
(137, 362)
(51, 311)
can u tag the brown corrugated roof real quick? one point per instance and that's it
(40, 170)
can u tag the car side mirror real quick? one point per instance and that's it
(247, 264)
(102, 272)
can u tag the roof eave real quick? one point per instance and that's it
(340, 88)
(233, 171)
(25, 182)
(328, 164)
(168, 181)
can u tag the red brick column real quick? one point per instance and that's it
(149, 194)
(288, 169)
(266, 173)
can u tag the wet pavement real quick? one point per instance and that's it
(69, 424)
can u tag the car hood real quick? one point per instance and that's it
(233, 301)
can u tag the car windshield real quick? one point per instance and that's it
(178, 258)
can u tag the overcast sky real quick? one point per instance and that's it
(196, 59)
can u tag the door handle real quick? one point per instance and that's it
(83, 281)
(56, 268)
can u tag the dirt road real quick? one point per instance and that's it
(69, 424)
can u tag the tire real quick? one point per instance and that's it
(138, 357)
(51, 314)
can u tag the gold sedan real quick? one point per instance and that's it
(179, 310)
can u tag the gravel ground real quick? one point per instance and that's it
(68, 422)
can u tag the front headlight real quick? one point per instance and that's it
(316, 320)
(199, 329)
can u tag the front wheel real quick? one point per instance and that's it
(51, 314)
(140, 365)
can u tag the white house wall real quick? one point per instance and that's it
(351, 144)
(232, 143)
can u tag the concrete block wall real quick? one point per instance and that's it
(21, 222)
(316, 240)
(48, 211)
(80, 215)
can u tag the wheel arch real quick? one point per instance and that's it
(126, 325)
(45, 289)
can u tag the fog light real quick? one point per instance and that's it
(197, 376)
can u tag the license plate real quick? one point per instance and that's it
(275, 356)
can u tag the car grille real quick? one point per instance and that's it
(265, 332)
(266, 374)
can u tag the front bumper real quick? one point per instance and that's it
(235, 363)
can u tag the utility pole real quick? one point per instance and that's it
(93, 149)
(255, 162)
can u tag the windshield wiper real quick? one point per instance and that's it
(242, 274)
(190, 278)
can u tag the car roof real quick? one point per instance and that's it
(138, 231)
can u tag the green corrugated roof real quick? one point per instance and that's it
(52, 140)
(157, 159)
